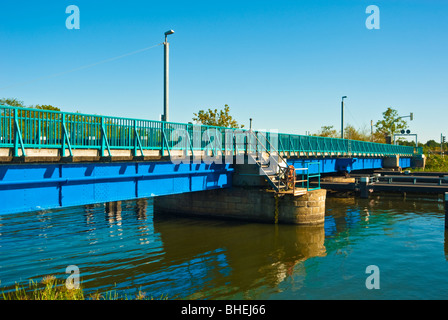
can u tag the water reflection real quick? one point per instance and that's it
(113, 212)
(255, 254)
(126, 246)
(186, 257)
(351, 218)
(356, 212)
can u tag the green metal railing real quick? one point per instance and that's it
(24, 128)
(306, 176)
(314, 175)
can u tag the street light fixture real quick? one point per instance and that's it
(168, 33)
(411, 116)
(342, 117)
(166, 76)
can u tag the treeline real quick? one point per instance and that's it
(350, 132)
(13, 102)
(390, 124)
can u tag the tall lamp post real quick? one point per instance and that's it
(166, 76)
(342, 116)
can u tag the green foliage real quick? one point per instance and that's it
(410, 143)
(432, 144)
(390, 123)
(47, 107)
(350, 132)
(378, 137)
(47, 289)
(13, 102)
(52, 289)
(328, 131)
(436, 163)
(387, 126)
(220, 118)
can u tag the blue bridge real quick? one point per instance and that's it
(51, 159)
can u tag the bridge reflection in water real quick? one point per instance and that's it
(216, 258)
(125, 246)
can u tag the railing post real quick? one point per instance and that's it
(38, 133)
(246, 141)
(291, 145)
(103, 138)
(135, 138)
(16, 134)
(137, 141)
(104, 141)
(162, 137)
(63, 135)
(308, 177)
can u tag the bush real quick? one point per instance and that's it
(436, 163)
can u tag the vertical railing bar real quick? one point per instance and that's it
(65, 137)
(18, 136)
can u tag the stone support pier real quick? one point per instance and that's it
(248, 203)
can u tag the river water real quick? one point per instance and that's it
(125, 247)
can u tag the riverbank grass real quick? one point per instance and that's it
(47, 289)
(52, 289)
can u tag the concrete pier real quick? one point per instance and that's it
(250, 204)
(364, 186)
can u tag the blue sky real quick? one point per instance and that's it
(285, 64)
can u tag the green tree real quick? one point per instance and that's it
(432, 144)
(350, 132)
(327, 131)
(13, 102)
(220, 118)
(391, 124)
(378, 137)
(47, 107)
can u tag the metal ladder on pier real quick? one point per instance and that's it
(281, 177)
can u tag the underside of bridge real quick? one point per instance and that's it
(39, 186)
(31, 186)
